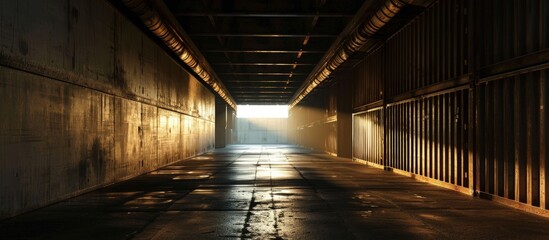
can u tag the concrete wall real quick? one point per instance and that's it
(224, 123)
(87, 99)
(262, 130)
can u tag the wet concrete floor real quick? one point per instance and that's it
(273, 192)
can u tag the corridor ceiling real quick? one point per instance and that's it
(264, 50)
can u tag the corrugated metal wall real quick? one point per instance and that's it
(368, 136)
(429, 50)
(510, 99)
(428, 136)
(511, 148)
(464, 94)
(369, 80)
(510, 28)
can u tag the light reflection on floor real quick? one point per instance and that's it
(273, 192)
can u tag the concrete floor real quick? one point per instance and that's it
(273, 192)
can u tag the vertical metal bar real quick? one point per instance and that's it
(444, 40)
(507, 140)
(490, 162)
(410, 133)
(428, 47)
(400, 136)
(437, 46)
(536, 145)
(370, 137)
(398, 70)
(523, 176)
(453, 39)
(438, 139)
(532, 121)
(389, 136)
(381, 142)
(468, 60)
(403, 78)
(419, 145)
(378, 139)
(453, 138)
(432, 134)
(470, 136)
(392, 128)
(449, 143)
(481, 137)
(518, 123)
(542, 140)
(414, 154)
(394, 147)
(383, 128)
(427, 142)
(366, 137)
(459, 138)
(356, 136)
(373, 138)
(363, 137)
(422, 50)
(421, 142)
(415, 55)
(467, 37)
(499, 169)
(443, 141)
(448, 139)
(460, 37)
(529, 142)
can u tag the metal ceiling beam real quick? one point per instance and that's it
(261, 87)
(262, 35)
(263, 51)
(262, 102)
(263, 64)
(269, 96)
(262, 92)
(261, 73)
(266, 15)
(260, 81)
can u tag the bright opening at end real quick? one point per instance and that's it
(262, 111)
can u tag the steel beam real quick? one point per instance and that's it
(263, 51)
(266, 15)
(263, 35)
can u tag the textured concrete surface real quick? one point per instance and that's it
(274, 192)
(87, 99)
